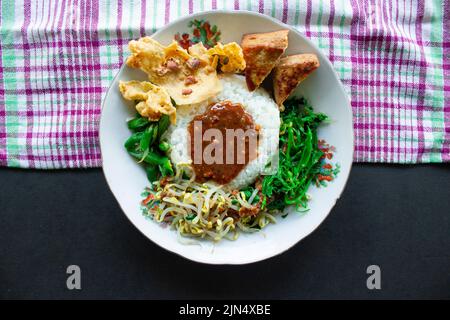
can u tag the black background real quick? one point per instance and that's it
(397, 217)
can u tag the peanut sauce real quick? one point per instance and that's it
(222, 116)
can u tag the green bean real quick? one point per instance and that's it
(166, 168)
(155, 158)
(146, 137)
(136, 154)
(154, 136)
(163, 124)
(149, 136)
(151, 158)
(152, 172)
(137, 124)
(164, 146)
(133, 140)
(145, 145)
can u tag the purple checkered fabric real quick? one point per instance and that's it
(58, 57)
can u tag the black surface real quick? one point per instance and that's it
(397, 217)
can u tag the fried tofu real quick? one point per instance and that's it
(262, 52)
(289, 72)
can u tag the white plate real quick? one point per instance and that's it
(127, 179)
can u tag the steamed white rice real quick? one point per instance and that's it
(257, 103)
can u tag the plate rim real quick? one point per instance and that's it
(348, 109)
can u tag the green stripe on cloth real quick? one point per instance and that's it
(12, 121)
(436, 77)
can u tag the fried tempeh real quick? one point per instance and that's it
(262, 52)
(290, 71)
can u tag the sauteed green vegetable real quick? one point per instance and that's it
(146, 146)
(300, 156)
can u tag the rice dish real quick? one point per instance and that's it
(257, 103)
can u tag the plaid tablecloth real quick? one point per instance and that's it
(58, 58)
